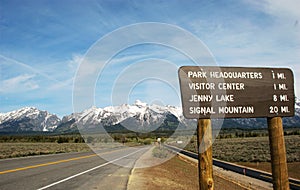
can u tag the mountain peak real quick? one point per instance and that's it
(297, 103)
(140, 103)
(137, 116)
(28, 119)
(22, 111)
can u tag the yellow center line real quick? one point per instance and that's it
(47, 164)
(56, 162)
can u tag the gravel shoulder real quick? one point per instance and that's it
(181, 172)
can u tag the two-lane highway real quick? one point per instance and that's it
(71, 170)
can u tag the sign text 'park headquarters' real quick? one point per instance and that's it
(235, 92)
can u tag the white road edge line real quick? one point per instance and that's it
(73, 176)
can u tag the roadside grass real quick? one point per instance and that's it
(11, 150)
(160, 152)
(29, 145)
(251, 149)
(254, 152)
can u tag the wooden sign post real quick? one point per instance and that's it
(205, 164)
(238, 92)
(278, 154)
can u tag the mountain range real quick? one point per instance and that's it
(138, 117)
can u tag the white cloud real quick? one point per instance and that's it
(286, 16)
(19, 83)
(20, 67)
(278, 8)
(66, 84)
(75, 61)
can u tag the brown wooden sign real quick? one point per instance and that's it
(236, 92)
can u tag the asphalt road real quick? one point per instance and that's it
(71, 170)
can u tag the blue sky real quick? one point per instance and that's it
(42, 44)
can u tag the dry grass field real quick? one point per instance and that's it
(254, 149)
(255, 152)
(10, 150)
(250, 149)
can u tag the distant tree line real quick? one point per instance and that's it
(224, 134)
(42, 138)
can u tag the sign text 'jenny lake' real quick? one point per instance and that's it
(236, 92)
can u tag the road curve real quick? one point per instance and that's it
(71, 170)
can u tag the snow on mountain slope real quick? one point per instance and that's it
(136, 116)
(297, 104)
(28, 119)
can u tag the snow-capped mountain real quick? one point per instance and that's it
(297, 104)
(139, 116)
(28, 119)
(136, 117)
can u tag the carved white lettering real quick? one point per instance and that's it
(201, 98)
(202, 86)
(224, 98)
(236, 109)
(231, 86)
(202, 110)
